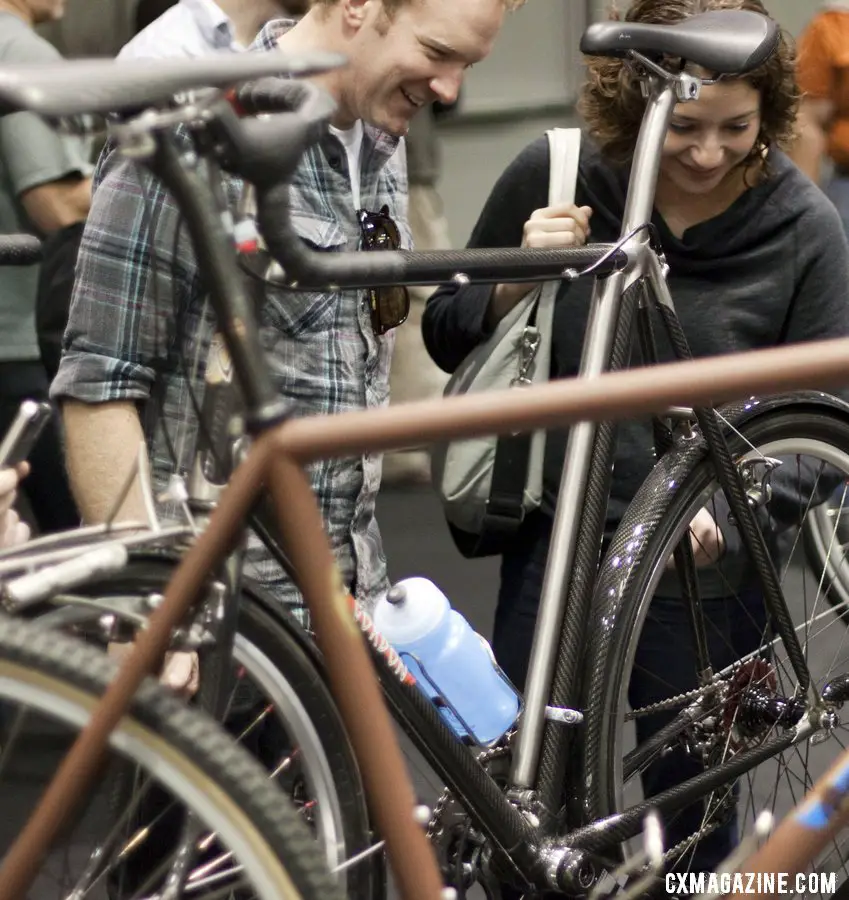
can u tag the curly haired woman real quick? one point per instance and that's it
(757, 257)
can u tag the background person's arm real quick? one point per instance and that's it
(815, 73)
(457, 317)
(47, 171)
(132, 283)
(57, 204)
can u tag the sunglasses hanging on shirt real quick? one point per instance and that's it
(388, 306)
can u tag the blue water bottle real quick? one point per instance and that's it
(452, 664)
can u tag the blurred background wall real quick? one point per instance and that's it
(528, 84)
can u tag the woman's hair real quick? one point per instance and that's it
(612, 103)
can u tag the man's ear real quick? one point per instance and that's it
(355, 12)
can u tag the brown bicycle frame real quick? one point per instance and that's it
(276, 460)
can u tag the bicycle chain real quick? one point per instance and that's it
(434, 825)
(665, 705)
(673, 853)
(435, 829)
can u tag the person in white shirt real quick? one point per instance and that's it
(197, 27)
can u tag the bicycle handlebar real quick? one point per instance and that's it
(266, 151)
(19, 250)
(313, 269)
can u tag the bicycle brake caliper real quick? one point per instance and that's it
(756, 474)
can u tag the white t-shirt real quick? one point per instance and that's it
(352, 141)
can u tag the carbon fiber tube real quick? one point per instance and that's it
(19, 250)
(610, 832)
(457, 766)
(750, 533)
(566, 688)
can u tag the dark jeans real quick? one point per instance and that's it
(664, 666)
(46, 487)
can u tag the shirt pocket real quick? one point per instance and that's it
(307, 312)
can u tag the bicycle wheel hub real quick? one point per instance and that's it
(754, 706)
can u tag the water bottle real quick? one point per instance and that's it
(460, 673)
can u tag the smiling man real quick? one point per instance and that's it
(328, 351)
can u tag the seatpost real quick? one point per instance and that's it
(664, 90)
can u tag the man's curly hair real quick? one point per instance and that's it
(612, 105)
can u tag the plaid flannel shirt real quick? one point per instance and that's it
(137, 279)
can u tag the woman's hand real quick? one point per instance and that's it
(12, 530)
(565, 225)
(557, 226)
(706, 539)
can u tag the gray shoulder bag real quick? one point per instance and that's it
(487, 485)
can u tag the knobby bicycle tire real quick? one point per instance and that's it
(264, 625)
(662, 509)
(67, 679)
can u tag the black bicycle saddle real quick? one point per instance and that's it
(725, 42)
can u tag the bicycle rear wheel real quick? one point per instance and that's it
(255, 845)
(750, 701)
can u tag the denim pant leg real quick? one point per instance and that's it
(664, 665)
(522, 570)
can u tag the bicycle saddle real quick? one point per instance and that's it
(73, 87)
(724, 41)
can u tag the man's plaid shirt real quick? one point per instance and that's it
(133, 333)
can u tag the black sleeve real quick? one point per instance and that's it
(453, 321)
(819, 310)
(53, 292)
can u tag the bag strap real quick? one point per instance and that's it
(505, 508)
(564, 150)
